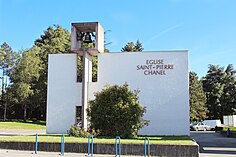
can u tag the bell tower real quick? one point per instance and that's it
(81, 34)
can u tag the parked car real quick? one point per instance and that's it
(213, 123)
(199, 127)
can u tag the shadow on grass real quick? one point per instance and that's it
(38, 122)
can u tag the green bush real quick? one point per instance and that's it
(77, 131)
(116, 111)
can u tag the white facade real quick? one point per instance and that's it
(161, 77)
(63, 92)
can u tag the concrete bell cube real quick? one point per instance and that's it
(84, 27)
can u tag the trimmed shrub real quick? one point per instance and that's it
(77, 131)
(116, 111)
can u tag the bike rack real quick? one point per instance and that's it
(62, 145)
(118, 148)
(91, 145)
(36, 144)
(145, 147)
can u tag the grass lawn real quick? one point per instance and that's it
(230, 127)
(38, 125)
(178, 140)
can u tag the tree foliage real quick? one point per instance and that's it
(23, 77)
(29, 76)
(219, 85)
(7, 57)
(116, 111)
(28, 90)
(7, 60)
(197, 99)
(131, 47)
(55, 40)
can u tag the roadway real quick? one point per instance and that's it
(17, 153)
(213, 144)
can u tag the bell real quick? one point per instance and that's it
(87, 38)
(80, 36)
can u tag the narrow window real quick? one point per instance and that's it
(79, 68)
(78, 118)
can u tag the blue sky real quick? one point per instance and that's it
(207, 28)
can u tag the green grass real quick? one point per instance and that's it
(230, 127)
(38, 125)
(56, 138)
(176, 140)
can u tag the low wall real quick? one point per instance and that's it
(126, 149)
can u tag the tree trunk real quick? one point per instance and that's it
(25, 107)
(3, 104)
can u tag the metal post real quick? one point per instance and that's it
(62, 145)
(36, 144)
(149, 147)
(88, 145)
(118, 148)
(145, 148)
(91, 145)
(145, 151)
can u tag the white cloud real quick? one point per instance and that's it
(165, 31)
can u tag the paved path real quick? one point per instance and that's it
(214, 144)
(15, 132)
(16, 153)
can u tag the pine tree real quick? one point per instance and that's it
(198, 109)
(7, 60)
(55, 40)
(131, 47)
(219, 85)
(23, 78)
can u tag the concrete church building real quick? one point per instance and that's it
(161, 77)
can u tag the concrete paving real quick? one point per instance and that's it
(16, 132)
(17, 153)
(216, 155)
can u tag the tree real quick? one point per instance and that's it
(131, 47)
(55, 40)
(24, 76)
(213, 88)
(7, 60)
(219, 85)
(228, 101)
(198, 109)
(116, 111)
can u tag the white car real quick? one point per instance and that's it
(213, 123)
(200, 127)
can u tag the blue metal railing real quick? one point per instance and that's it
(36, 144)
(145, 147)
(118, 148)
(62, 145)
(89, 139)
